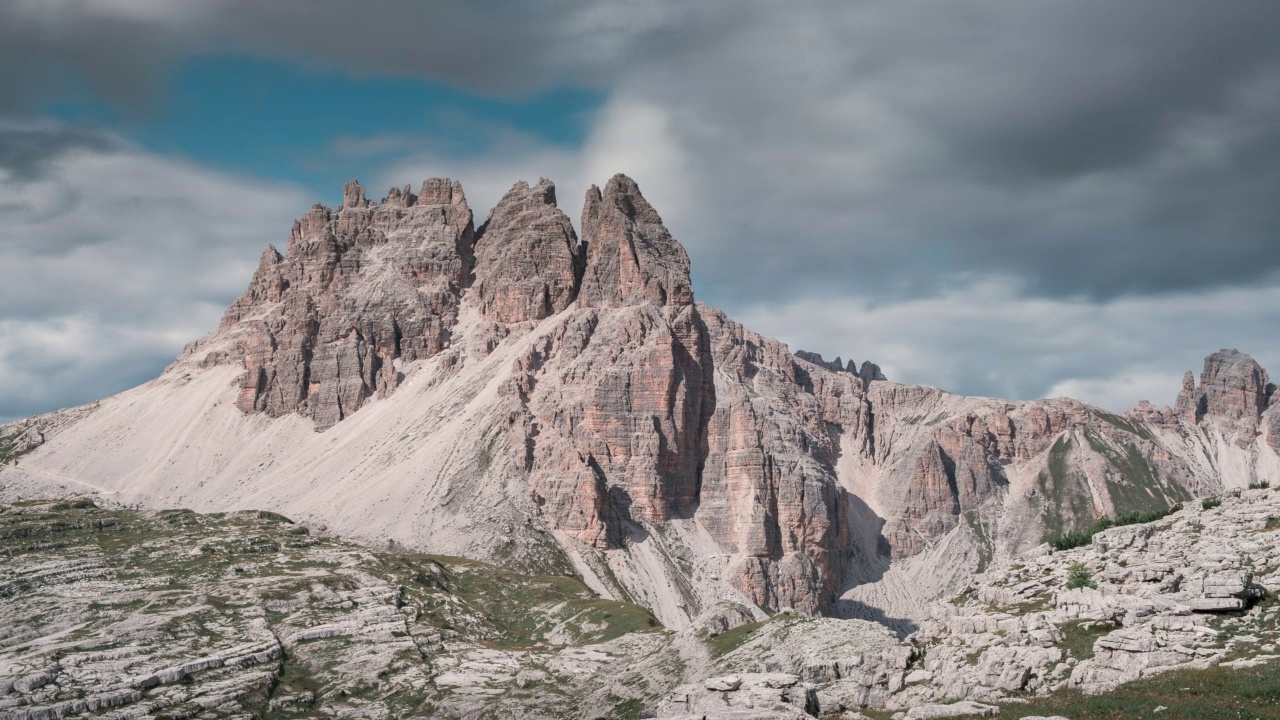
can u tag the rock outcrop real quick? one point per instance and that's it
(528, 261)
(868, 372)
(358, 290)
(1233, 386)
(631, 258)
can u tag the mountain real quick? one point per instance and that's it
(516, 394)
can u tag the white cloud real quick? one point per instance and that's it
(991, 338)
(113, 261)
(628, 136)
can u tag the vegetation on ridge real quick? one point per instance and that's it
(1079, 538)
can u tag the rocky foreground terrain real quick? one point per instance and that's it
(121, 613)
(126, 613)
(552, 401)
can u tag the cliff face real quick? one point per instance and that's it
(513, 394)
(358, 289)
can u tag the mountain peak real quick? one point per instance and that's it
(631, 256)
(528, 261)
(1233, 385)
(353, 195)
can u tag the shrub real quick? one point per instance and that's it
(1078, 538)
(1080, 576)
(1259, 485)
(1210, 503)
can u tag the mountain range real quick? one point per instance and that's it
(552, 399)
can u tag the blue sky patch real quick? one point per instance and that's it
(320, 128)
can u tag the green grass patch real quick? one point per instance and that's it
(1210, 503)
(728, 641)
(9, 446)
(1078, 538)
(1121, 423)
(1140, 488)
(510, 610)
(1217, 693)
(1079, 636)
(1066, 499)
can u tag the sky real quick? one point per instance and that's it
(1012, 198)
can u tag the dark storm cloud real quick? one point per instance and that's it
(49, 46)
(1088, 148)
(26, 147)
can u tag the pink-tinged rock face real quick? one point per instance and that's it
(1233, 386)
(356, 290)
(631, 258)
(620, 397)
(527, 257)
(769, 486)
(629, 406)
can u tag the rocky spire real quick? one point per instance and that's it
(1187, 405)
(441, 191)
(1233, 385)
(353, 195)
(401, 197)
(868, 372)
(528, 260)
(631, 257)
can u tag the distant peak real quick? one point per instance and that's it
(544, 193)
(400, 196)
(624, 193)
(441, 191)
(868, 371)
(353, 195)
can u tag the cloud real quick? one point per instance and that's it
(113, 260)
(27, 145)
(627, 136)
(1086, 147)
(1004, 198)
(990, 338)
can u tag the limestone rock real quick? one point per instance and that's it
(1233, 386)
(724, 617)
(1187, 405)
(320, 328)
(751, 695)
(728, 683)
(631, 257)
(31, 439)
(620, 401)
(527, 257)
(868, 372)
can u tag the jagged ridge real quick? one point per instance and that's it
(540, 397)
